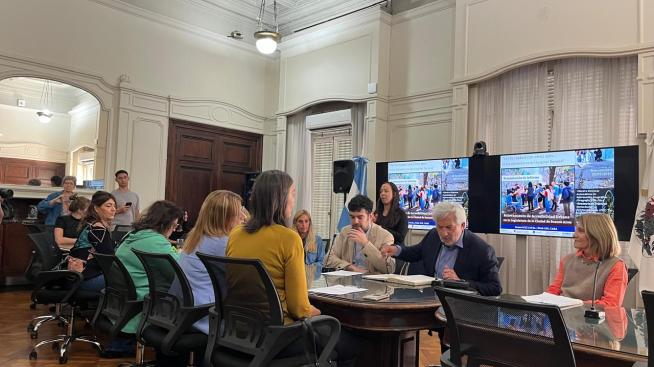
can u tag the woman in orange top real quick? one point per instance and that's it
(596, 241)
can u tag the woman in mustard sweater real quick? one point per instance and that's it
(265, 236)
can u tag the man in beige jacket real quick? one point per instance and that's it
(357, 246)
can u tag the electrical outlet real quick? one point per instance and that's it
(20, 102)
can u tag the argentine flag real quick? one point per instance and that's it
(358, 187)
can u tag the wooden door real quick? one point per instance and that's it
(203, 158)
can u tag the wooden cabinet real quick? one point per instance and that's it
(15, 249)
(20, 171)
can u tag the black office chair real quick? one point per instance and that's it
(118, 236)
(49, 288)
(246, 327)
(500, 261)
(326, 242)
(67, 292)
(495, 332)
(648, 300)
(118, 301)
(168, 310)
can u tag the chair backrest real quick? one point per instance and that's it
(249, 302)
(326, 242)
(648, 301)
(496, 332)
(48, 254)
(118, 236)
(169, 289)
(119, 302)
(37, 228)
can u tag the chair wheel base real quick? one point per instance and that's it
(33, 355)
(34, 334)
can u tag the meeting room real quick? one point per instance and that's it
(326, 182)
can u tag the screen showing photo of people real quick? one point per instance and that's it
(542, 193)
(422, 184)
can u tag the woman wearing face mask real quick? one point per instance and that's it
(94, 237)
(314, 249)
(388, 213)
(596, 242)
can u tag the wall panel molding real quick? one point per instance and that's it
(33, 151)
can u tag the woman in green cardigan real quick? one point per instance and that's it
(150, 234)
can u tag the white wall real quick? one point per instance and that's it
(420, 110)
(147, 68)
(20, 125)
(84, 125)
(103, 41)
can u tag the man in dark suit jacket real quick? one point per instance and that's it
(450, 251)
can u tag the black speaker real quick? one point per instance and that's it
(343, 176)
(250, 177)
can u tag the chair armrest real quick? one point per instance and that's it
(187, 316)
(328, 329)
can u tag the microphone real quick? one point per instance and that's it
(593, 314)
(326, 269)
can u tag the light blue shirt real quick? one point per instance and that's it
(197, 274)
(447, 257)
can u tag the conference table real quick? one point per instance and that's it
(387, 328)
(619, 340)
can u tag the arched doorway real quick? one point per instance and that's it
(50, 128)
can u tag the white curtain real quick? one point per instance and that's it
(567, 104)
(298, 157)
(359, 129)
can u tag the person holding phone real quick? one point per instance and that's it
(127, 202)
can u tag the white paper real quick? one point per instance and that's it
(343, 273)
(402, 279)
(552, 299)
(338, 290)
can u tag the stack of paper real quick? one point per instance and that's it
(552, 299)
(402, 279)
(343, 273)
(337, 290)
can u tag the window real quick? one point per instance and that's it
(327, 145)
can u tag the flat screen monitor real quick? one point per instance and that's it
(542, 193)
(424, 183)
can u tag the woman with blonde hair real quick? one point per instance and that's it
(596, 242)
(219, 214)
(314, 249)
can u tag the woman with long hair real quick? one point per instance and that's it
(596, 242)
(314, 249)
(219, 214)
(95, 236)
(388, 213)
(66, 228)
(266, 237)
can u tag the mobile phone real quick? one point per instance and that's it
(129, 203)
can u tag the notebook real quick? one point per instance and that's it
(402, 279)
(552, 299)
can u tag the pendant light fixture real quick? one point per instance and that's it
(44, 113)
(267, 40)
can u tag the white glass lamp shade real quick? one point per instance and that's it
(44, 116)
(267, 41)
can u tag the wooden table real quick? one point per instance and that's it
(388, 328)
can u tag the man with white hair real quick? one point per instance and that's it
(450, 251)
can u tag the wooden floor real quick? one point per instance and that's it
(15, 342)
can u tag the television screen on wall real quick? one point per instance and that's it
(424, 183)
(542, 193)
